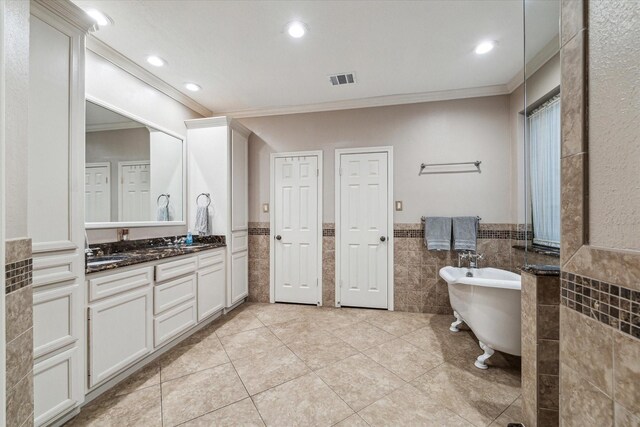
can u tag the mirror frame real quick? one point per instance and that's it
(140, 224)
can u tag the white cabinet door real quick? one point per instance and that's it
(239, 181)
(56, 385)
(239, 276)
(120, 333)
(211, 285)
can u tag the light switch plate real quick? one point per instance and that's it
(265, 207)
(398, 205)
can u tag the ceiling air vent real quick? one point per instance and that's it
(342, 79)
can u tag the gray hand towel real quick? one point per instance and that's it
(437, 233)
(465, 233)
(202, 220)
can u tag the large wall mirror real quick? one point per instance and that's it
(134, 172)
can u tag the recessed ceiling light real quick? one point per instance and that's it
(485, 47)
(192, 87)
(101, 19)
(156, 61)
(296, 29)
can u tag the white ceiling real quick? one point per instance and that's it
(240, 54)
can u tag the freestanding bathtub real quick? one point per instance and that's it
(488, 301)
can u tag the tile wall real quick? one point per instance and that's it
(418, 287)
(599, 318)
(19, 332)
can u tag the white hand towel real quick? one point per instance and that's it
(202, 220)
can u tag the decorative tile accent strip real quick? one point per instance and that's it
(610, 304)
(18, 275)
(417, 232)
(259, 231)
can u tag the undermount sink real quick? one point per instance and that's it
(180, 246)
(105, 260)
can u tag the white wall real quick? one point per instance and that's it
(166, 172)
(114, 86)
(116, 146)
(446, 131)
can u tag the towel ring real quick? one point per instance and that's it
(207, 195)
(168, 196)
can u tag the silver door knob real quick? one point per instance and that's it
(278, 237)
(382, 238)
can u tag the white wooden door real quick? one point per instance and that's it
(97, 192)
(296, 229)
(134, 197)
(364, 231)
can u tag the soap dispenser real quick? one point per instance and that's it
(189, 240)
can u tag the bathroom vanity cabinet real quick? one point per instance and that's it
(136, 311)
(218, 162)
(55, 205)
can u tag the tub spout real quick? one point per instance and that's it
(480, 362)
(458, 322)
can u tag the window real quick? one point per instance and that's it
(544, 146)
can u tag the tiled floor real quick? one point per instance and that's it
(289, 365)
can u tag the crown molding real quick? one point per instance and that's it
(207, 122)
(114, 126)
(378, 101)
(68, 12)
(537, 62)
(99, 47)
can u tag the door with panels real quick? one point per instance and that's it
(56, 205)
(297, 228)
(134, 191)
(97, 192)
(364, 228)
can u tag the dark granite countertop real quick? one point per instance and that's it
(541, 270)
(121, 254)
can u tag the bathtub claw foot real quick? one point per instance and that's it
(458, 322)
(480, 361)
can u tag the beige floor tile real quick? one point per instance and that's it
(479, 396)
(363, 335)
(184, 360)
(294, 330)
(267, 370)
(305, 401)
(354, 420)
(145, 377)
(139, 408)
(242, 413)
(279, 313)
(321, 349)
(249, 343)
(194, 395)
(408, 407)
(513, 414)
(404, 359)
(398, 323)
(332, 319)
(359, 381)
(239, 323)
(428, 339)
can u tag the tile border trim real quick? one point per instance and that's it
(18, 275)
(610, 304)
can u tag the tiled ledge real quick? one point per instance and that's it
(613, 305)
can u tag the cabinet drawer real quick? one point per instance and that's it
(172, 269)
(212, 258)
(174, 292)
(116, 283)
(239, 241)
(173, 322)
